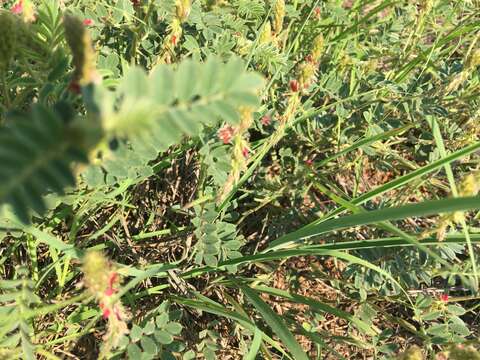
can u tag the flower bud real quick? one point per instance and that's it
(294, 85)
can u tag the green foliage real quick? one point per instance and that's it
(339, 220)
(36, 152)
(217, 240)
(17, 297)
(153, 338)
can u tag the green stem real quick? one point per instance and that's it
(6, 95)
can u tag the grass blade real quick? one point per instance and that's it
(276, 323)
(255, 346)
(422, 209)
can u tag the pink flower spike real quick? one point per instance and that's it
(88, 22)
(17, 8)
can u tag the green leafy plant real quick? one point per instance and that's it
(296, 179)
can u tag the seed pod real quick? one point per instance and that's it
(8, 38)
(278, 15)
(80, 44)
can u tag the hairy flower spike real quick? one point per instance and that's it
(246, 119)
(413, 353)
(102, 280)
(265, 36)
(470, 185)
(83, 53)
(307, 76)
(318, 44)
(183, 8)
(175, 31)
(278, 15)
(95, 268)
(8, 38)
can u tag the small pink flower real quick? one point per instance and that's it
(112, 279)
(444, 297)
(266, 120)
(245, 152)
(88, 22)
(174, 40)
(226, 133)
(309, 162)
(106, 313)
(17, 8)
(317, 12)
(109, 291)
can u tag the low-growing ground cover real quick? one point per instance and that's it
(239, 179)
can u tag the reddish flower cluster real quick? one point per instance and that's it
(444, 297)
(109, 292)
(17, 8)
(245, 152)
(226, 133)
(266, 120)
